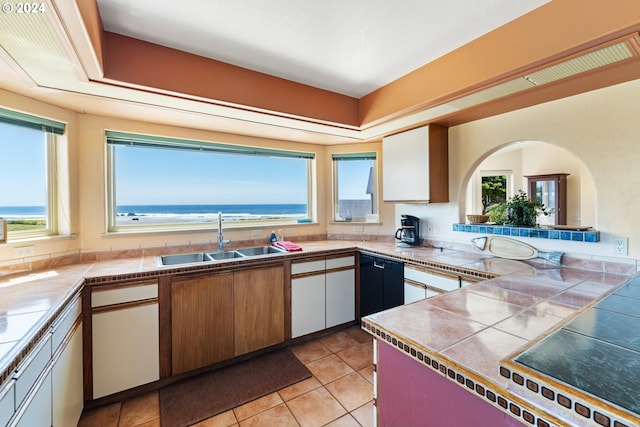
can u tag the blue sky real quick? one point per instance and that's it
(172, 176)
(22, 172)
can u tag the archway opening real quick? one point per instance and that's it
(518, 165)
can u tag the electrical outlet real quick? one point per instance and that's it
(429, 229)
(24, 251)
(620, 245)
(290, 231)
(358, 228)
(256, 233)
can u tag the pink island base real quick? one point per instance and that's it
(410, 394)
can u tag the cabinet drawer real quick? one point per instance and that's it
(100, 298)
(7, 402)
(29, 371)
(308, 267)
(445, 283)
(63, 325)
(348, 261)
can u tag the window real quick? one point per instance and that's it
(28, 191)
(157, 183)
(355, 186)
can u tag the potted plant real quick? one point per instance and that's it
(518, 211)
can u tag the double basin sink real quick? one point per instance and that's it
(201, 257)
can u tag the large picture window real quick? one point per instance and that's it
(28, 174)
(355, 186)
(165, 183)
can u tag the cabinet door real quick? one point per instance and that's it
(258, 301)
(414, 292)
(371, 285)
(201, 321)
(393, 284)
(38, 409)
(307, 304)
(66, 377)
(340, 297)
(126, 350)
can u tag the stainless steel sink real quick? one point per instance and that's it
(260, 250)
(201, 257)
(225, 255)
(184, 258)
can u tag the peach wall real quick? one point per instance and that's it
(600, 127)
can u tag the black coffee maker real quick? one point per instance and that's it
(409, 231)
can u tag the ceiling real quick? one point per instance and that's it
(329, 72)
(352, 47)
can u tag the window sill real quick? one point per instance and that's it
(34, 239)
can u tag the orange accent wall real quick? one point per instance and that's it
(137, 62)
(547, 33)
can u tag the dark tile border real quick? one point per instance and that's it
(484, 391)
(590, 236)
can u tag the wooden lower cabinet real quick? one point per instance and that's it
(202, 320)
(258, 302)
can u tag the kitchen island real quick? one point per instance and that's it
(448, 360)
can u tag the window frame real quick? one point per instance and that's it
(50, 130)
(336, 157)
(115, 138)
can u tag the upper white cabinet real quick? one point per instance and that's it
(416, 166)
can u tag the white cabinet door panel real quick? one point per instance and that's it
(341, 297)
(125, 349)
(66, 377)
(307, 305)
(413, 292)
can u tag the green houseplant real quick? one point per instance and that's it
(518, 211)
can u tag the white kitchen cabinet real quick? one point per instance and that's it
(7, 402)
(125, 337)
(322, 294)
(340, 297)
(420, 283)
(416, 166)
(307, 304)
(414, 292)
(66, 377)
(36, 411)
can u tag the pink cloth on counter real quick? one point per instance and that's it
(289, 246)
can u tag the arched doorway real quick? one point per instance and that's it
(512, 163)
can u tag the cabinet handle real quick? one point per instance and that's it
(375, 264)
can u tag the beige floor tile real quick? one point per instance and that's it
(316, 408)
(338, 341)
(256, 406)
(278, 416)
(152, 423)
(308, 352)
(344, 421)
(139, 410)
(357, 356)
(364, 414)
(351, 391)
(367, 373)
(329, 368)
(299, 388)
(106, 416)
(225, 419)
(359, 335)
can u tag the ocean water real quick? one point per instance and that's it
(229, 211)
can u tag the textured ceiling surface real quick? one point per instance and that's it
(347, 46)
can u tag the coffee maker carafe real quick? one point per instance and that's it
(409, 231)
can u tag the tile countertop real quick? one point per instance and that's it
(467, 334)
(476, 326)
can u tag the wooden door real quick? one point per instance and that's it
(258, 301)
(201, 321)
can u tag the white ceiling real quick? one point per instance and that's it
(347, 46)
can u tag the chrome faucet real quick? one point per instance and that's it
(221, 241)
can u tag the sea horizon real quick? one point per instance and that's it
(173, 210)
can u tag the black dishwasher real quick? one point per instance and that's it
(381, 284)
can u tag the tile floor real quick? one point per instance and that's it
(339, 394)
